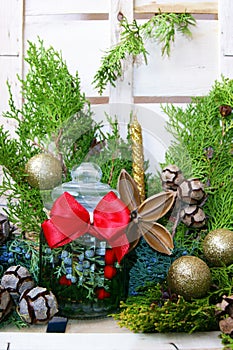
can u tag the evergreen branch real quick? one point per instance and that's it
(161, 28)
(131, 44)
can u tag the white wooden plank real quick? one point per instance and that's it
(226, 66)
(226, 24)
(124, 85)
(45, 7)
(226, 38)
(192, 6)
(109, 341)
(10, 27)
(10, 67)
(82, 44)
(190, 70)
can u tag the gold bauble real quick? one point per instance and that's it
(218, 247)
(44, 171)
(189, 276)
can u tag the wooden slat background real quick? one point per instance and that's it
(191, 69)
(191, 6)
(83, 30)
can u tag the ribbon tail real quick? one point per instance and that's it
(121, 251)
(120, 245)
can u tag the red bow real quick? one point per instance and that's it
(70, 220)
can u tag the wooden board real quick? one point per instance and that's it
(10, 27)
(81, 43)
(226, 38)
(190, 70)
(191, 6)
(124, 86)
(61, 7)
(104, 334)
(9, 68)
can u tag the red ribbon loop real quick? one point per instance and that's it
(70, 220)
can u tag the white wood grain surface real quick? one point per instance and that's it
(123, 92)
(11, 19)
(226, 38)
(192, 6)
(190, 70)
(44, 7)
(81, 43)
(10, 27)
(109, 341)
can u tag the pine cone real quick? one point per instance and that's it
(37, 305)
(193, 216)
(191, 191)
(225, 110)
(5, 228)
(171, 177)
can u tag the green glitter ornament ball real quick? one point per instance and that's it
(44, 171)
(218, 247)
(190, 277)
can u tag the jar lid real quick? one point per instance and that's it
(85, 186)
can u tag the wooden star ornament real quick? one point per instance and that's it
(144, 215)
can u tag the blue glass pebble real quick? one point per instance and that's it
(73, 279)
(27, 256)
(100, 251)
(92, 267)
(81, 257)
(68, 261)
(69, 270)
(86, 264)
(64, 254)
(79, 267)
(89, 253)
(17, 249)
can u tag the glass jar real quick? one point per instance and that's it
(84, 273)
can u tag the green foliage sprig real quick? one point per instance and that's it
(227, 341)
(13, 318)
(149, 312)
(161, 28)
(202, 148)
(115, 155)
(55, 117)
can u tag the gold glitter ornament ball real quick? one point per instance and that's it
(218, 247)
(190, 277)
(44, 171)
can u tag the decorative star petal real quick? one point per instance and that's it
(144, 215)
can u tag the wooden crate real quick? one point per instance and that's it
(83, 30)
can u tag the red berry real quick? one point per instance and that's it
(102, 294)
(64, 281)
(110, 257)
(109, 271)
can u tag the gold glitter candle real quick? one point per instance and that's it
(138, 157)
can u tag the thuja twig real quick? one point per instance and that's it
(161, 28)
